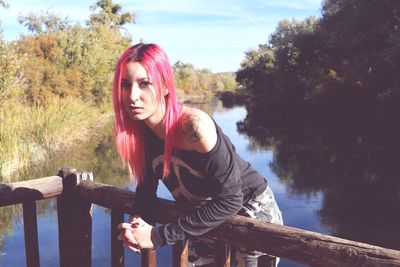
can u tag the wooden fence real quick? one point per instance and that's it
(75, 193)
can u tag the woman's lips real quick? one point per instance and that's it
(135, 109)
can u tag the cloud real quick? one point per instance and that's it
(299, 4)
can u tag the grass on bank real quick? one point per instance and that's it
(30, 134)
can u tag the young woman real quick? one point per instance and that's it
(183, 147)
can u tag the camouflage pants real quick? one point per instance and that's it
(262, 207)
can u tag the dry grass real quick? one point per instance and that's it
(31, 134)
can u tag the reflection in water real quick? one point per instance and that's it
(360, 183)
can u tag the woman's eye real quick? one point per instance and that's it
(126, 85)
(145, 84)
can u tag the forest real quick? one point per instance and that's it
(338, 73)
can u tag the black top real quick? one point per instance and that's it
(219, 180)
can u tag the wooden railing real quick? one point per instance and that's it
(75, 192)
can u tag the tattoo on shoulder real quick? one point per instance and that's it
(191, 128)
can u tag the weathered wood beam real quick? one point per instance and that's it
(19, 192)
(298, 245)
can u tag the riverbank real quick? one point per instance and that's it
(31, 134)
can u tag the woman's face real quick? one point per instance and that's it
(139, 94)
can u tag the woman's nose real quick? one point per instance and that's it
(135, 92)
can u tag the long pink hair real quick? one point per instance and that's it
(130, 134)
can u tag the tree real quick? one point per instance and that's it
(338, 72)
(45, 23)
(11, 79)
(69, 60)
(110, 14)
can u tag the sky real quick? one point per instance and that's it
(212, 34)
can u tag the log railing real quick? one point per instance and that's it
(75, 192)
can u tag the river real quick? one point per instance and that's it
(304, 204)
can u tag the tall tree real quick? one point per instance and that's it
(110, 14)
(44, 23)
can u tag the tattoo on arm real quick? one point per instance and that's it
(191, 129)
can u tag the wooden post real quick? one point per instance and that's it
(222, 254)
(267, 261)
(117, 249)
(74, 221)
(64, 212)
(149, 258)
(180, 253)
(31, 234)
(83, 225)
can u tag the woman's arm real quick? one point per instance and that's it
(145, 199)
(199, 134)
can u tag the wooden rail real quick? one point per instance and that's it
(76, 192)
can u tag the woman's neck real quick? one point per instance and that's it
(157, 124)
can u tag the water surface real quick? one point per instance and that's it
(304, 204)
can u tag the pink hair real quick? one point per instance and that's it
(131, 136)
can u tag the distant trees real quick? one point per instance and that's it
(340, 70)
(202, 82)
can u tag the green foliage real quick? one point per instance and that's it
(258, 64)
(29, 134)
(110, 14)
(45, 23)
(69, 60)
(11, 79)
(202, 82)
(340, 70)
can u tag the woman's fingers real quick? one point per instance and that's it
(134, 249)
(129, 244)
(134, 238)
(125, 226)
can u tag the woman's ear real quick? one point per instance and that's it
(166, 91)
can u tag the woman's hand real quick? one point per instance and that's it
(126, 236)
(136, 234)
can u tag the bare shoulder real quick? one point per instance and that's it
(197, 130)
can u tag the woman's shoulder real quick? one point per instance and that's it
(197, 130)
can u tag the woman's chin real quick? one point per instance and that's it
(137, 116)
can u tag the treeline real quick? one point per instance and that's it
(195, 82)
(338, 73)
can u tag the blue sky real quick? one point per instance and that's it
(211, 34)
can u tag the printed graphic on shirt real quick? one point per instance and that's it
(183, 180)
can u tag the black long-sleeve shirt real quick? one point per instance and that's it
(220, 181)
